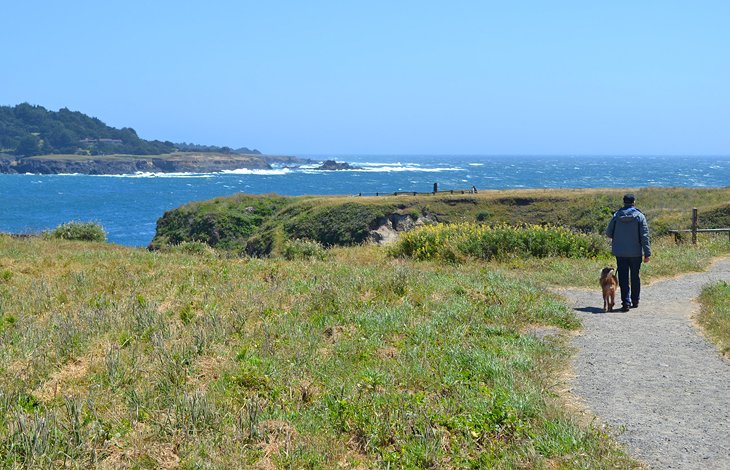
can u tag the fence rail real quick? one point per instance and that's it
(435, 191)
(695, 229)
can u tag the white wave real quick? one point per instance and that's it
(147, 174)
(384, 164)
(247, 171)
(476, 164)
(409, 167)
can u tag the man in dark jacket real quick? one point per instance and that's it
(629, 235)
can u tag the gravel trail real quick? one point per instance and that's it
(652, 374)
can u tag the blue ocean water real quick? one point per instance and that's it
(128, 206)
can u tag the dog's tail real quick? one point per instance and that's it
(606, 273)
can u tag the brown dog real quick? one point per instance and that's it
(608, 283)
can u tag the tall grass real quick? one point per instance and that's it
(715, 314)
(668, 259)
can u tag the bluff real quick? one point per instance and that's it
(258, 224)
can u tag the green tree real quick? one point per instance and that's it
(29, 145)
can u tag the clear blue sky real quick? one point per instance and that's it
(381, 77)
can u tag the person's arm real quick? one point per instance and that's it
(611, 227)
(645, 243)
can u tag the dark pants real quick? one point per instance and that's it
(628, 279)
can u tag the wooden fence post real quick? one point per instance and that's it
(694, 225)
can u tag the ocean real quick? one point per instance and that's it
(128, 206)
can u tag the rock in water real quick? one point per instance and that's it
(331, 165)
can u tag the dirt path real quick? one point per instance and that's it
(651, 373)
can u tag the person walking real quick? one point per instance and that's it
(629, 233)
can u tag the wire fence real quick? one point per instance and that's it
(436, 190)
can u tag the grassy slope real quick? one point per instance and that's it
(123, 357)
(346, 220)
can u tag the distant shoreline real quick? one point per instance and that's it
(179, 162)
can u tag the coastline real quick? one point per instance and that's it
(182, 162)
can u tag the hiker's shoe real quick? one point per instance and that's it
(634, 304)
(625, 308)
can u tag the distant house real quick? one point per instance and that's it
(88, 141)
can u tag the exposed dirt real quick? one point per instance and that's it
(652, 376)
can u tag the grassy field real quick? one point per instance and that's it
(118, 357)
(715, 315)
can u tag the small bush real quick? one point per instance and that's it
(84, 231)
(450, 242)
(304, 249)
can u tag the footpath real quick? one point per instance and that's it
(652, 377)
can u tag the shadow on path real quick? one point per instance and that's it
(593, 310)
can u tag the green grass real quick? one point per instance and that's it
(122, 357)
(715, 314)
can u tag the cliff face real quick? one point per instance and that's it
(116, 165)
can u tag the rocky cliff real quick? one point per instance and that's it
(130, 164)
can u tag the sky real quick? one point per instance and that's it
(383, 77)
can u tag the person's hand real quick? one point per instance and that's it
(646, 259)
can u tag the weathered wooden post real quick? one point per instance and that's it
(435, 188)
(694, 225)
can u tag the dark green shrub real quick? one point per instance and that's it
(342, 224)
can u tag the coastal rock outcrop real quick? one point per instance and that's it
(331, 165)
(390, 226)
(130, 164)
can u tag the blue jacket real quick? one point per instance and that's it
(629, 233)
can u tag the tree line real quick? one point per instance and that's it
(27, 130)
